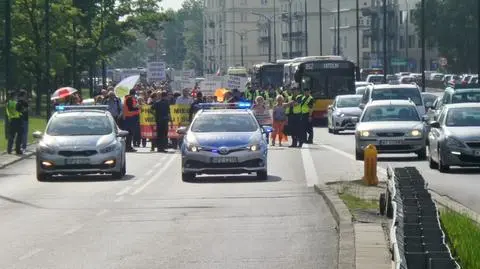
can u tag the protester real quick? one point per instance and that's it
(261, 112)
(22, 106)
(194, 108)
(185, 98)
(279, 120)
(162, 118)
(131, 119)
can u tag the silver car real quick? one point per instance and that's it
(455, 137)
(224, 141)
(81, 140)
(343, 113)
(392, 126)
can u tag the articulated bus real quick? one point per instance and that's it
(266, 74)
(326, 77)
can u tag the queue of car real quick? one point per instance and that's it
(399, 118)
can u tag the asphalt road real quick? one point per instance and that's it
(154, 220)
(334, 157)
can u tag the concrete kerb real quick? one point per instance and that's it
(447, 202)
(344, 220)
(16, 158)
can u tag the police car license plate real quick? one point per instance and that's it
(390, 142)
(224, 160)
(77, 161)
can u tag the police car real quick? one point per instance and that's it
(80, 140)
(224, 139)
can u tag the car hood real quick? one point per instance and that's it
(84, 141)
(352, 111)
(385, 126)
(216, 140)
(464, 133)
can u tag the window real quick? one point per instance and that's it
(224, 123)
(365, 42)
(390, 113)
(411, 41)
(243, 2)
(264, 2)
(419, 43)
(243, 16)
(345, 42)
(402, 42)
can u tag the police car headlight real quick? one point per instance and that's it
(365, 133)
(254, 147)
(109, 148)
(339, 114)
(415, 133)
(193, 148)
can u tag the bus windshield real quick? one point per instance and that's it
(324, 86)
(271, 76)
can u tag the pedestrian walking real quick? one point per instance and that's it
(131, 119)
(162, 117)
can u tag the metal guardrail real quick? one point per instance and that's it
(417, 239)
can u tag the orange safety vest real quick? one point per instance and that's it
(126, 112)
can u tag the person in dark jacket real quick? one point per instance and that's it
(162, 117)
(194, 108)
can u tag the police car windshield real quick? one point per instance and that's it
(224, 123)
(349, 101)
(398, 94)
(463, 117)
(70, 125)
(390, 113)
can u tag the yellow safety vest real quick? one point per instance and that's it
(11, 110)
(305, 107)
(297, 108)
(289, 99)
(248, 94)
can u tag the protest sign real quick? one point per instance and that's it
(180, 117)
(236, 82)
(148, 125)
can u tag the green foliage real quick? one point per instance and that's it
(463, 235)
(452, 26)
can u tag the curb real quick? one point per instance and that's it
(16, 160)
(346, 233)
(451, 204)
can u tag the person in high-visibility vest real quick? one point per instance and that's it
(307, 110)
(248, 94)
(15, 128)
(131, 119)
(295, 119)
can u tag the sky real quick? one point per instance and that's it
(174, 4)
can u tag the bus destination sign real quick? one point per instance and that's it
(323, 65)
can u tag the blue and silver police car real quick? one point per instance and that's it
(224, 139)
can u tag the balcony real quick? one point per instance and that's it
(285, 16)
(297, 53)
(298, 14)
(367, 32)
(369, 11)
(262, 39)
(299, 34)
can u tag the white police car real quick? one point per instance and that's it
(224, 139)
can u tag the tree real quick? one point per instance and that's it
(133, 55)
(451, 25)
(193, 34)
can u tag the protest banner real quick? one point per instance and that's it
(180, 117)
(148, 125)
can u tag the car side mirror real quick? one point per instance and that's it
(267, 129)
(425, 118)
(361, 106)
(122, 133)
(182, 130)
(330, 107)
(37, 135)
(434, 124)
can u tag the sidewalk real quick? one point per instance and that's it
(9, 159)
(370, 247)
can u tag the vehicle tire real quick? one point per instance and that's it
(431, 163)
(382, 204)
(330, 130)
(335, 131)
(442, 167)
(124, 169)
(188, 177)
(42, 177)
(262, 175)
(422, 154)
(389, 205)
(358, 155)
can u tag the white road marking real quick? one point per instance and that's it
(124, 190)
(149, 172)
(138, 181)
(160, 162)
(156, 176)
(102, 212)
(73, 229)
(311, 175)
(380, 169)
(119, 199)
(30, 254)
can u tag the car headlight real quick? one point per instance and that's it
(455, 143)
(365, 133)
(193, 148)
(109, 148)
(254, 147)
(339, 114)
(43, 148)
(416, 133)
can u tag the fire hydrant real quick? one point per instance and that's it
(370, 166)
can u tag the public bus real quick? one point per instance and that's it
(238, 71)
(266, 74)
(326, 78)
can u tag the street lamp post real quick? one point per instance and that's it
(290, 41)
(242, 36)
(104, 67)
(269, 33)
(385, 60)
(320, 18)
(357, 13)
(8, 46)
(422, 33)
(47, 55)
(275, 30)
(478, 33)
(306, 27)
(338, 27)
(407, 19)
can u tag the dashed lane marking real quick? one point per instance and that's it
(102, 212)
(73, 229)
(311, 174)
(156, 176)
(380, 170)
(119, 199)
(124, 191)
(149, 172)
(138, 181)
(31, 254)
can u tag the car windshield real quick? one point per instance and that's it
(464, 116)
(73, 125)
(429, 98)
(226, 122)
(376, 79)
(353, 101)
(398, 94)
(360, 90)
(390, 113)
(466, 97)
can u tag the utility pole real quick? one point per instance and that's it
(290, 41)
(306, 28)
(74, 54)
(104, 66)
(338, 27)
(8, 47)
(275, 30)
(47, 56)
(241, 48)
(92, 59)
(407, 19)
(478, 36)
(422, 33)
(357, 9)
(269, 30)
(385, 60)
(320, 18)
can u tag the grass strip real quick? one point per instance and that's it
(355, 203)
(464, 236)
(35, 124)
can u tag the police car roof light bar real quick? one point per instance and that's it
(80, 108)
(240, 105)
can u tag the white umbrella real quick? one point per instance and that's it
(124, 86)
